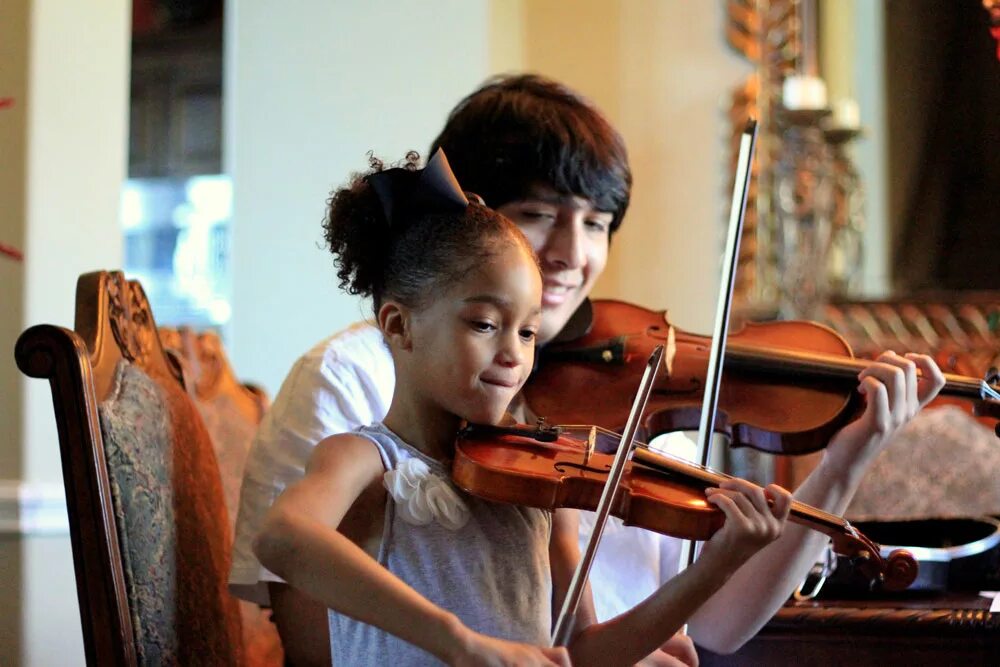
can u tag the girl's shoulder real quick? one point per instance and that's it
(346, 452)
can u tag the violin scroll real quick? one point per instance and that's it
(901, 570)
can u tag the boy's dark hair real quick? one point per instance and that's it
(519, 131)
(412, 258)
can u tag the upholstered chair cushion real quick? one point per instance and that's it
(172, 523)
(942, 464)
(232, 434)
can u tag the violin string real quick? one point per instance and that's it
(794, 363)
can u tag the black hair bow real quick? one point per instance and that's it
(408, 193)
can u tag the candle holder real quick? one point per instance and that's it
(802, 200)
(845, 269)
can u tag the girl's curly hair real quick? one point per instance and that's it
(407, 262)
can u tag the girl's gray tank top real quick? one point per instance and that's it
(493, 572)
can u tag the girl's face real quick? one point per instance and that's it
(473, 347)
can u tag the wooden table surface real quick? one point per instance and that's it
(950, 629)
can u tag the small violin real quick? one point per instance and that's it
(551, 467)
(787, 386)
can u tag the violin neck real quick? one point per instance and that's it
(795, 365)
(800, 513)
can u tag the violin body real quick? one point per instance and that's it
(560, 467)
(520, 470)
(786, 388)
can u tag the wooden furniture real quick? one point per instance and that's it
(147, 517)
(956, 629)
(231, 411)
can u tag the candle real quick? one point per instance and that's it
(846, 115)
(803, 93)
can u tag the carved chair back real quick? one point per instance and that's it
(143, 493)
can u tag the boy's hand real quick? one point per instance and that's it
(894, 393)
(751, 521)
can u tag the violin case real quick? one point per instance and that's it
(953, 555)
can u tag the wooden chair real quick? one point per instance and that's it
(148, 523)
(231, 411)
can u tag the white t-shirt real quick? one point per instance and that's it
(346, 381)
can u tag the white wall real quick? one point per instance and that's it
(308, 93)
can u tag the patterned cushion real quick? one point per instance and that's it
(942, 464)
(172, 523)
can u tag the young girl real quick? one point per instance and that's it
(411, 567)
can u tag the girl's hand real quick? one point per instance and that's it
(479, 650)
(894, 393)
(751, 522)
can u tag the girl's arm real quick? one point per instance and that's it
(628, 638)
(300, 542)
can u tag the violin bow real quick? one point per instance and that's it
(713, 379)
(564, 624)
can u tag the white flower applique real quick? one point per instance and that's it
(422, 496)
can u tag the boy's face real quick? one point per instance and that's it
(570, 238)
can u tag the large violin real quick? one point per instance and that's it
(787, 386)
(553, 467)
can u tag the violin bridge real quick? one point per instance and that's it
(670, 349)
(591, 445)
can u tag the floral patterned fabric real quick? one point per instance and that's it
(942, 464)
(172, 524)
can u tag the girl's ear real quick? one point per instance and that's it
(394, 321)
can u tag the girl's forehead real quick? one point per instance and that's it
(510, 275)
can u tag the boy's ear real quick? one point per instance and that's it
(394, 321)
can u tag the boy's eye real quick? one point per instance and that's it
(537, 215)
(528, 334)
(598, 225)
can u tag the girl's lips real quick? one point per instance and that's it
(499, 382)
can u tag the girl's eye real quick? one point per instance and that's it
(483, 326)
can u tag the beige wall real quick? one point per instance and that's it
(64, 152)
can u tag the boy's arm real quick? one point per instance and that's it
(894, 393)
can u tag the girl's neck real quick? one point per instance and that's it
(428, 428)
